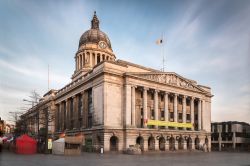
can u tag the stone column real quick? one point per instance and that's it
(76, 62)
(75, 111)
(175, 109)
(167, 145)
(133, 106)
(184, 110)
(67, 114)
(199, 114)
(157, 144)
(156, 106)
(95, 59)
(192, 111)
(166, 108)
(176, 144)
(60, 117)
(101, 58)
(145, 106)
(127, 119)
(82, 60)
(83, 118)
(202, 114)
(193, 144)
(185, 144)
(145, 144)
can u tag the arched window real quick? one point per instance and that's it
(162, 143)
(151, 143)
(98, 58)
(140, 142)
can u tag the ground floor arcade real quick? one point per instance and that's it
(147, 139)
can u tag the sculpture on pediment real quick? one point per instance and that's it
(168, 79)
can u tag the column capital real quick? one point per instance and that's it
(145, 88)
(82, 92)
(166, 93)
(133, 86)
(156, 90)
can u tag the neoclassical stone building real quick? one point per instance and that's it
(115, 104)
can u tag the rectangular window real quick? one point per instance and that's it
(162, 114)
(152, 96)
(180, 116)
(152, 114)
(188, 117)
(215, 128)
(171, 115)
(162, 97)
(179, 100)
(171, 99)
(223, 128)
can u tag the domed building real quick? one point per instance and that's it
(94, 47)
(117, 104)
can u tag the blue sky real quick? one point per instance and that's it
(207, 41)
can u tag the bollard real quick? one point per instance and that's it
(101, 150)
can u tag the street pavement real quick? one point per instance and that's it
(113, 159)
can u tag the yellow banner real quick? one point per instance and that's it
(171, 124)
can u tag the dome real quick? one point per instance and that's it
(94, 35)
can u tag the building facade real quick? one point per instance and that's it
(116, 104)
(231, 135)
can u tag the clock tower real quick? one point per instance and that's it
(94, 47)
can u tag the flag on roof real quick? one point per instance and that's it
(159, 41)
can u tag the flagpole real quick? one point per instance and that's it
(163, 60)
(48, 77)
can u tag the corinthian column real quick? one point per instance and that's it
(199, 114)
(184, 112)
(133, 106)
(192, 111)
(145, 106)
(166, 107)
(156, 105)
(175, 107)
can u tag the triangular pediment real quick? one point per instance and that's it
(169, 78)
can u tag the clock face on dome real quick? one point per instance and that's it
(102, 44)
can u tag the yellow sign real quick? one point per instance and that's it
(171, 124)
(49, 143)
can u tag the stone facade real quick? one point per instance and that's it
(110, 101)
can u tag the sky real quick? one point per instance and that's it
(204, 40)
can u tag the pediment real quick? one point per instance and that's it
(169, 79)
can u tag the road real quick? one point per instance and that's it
(162, 159)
